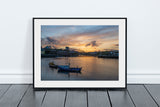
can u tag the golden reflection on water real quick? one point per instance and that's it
(93, 68)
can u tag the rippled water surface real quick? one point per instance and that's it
(93, 68)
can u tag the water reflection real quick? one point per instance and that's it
(93, 68)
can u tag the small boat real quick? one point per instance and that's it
(69, 69)
(67, 72)
(52, 65)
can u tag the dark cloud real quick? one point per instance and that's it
(49, 41)
(116, 44)
(52, 40)
(92, 43)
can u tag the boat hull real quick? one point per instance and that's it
(70, 69)
(53, 66)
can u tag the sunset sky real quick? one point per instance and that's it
(87, 38)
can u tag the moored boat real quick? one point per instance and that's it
(52, 65)
(69, 69)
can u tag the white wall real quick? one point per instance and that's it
(16, 33)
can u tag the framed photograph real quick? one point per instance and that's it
(79, 52)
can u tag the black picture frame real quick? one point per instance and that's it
(33, 31)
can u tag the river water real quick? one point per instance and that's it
(93, 68)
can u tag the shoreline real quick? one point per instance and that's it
(53, 56)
